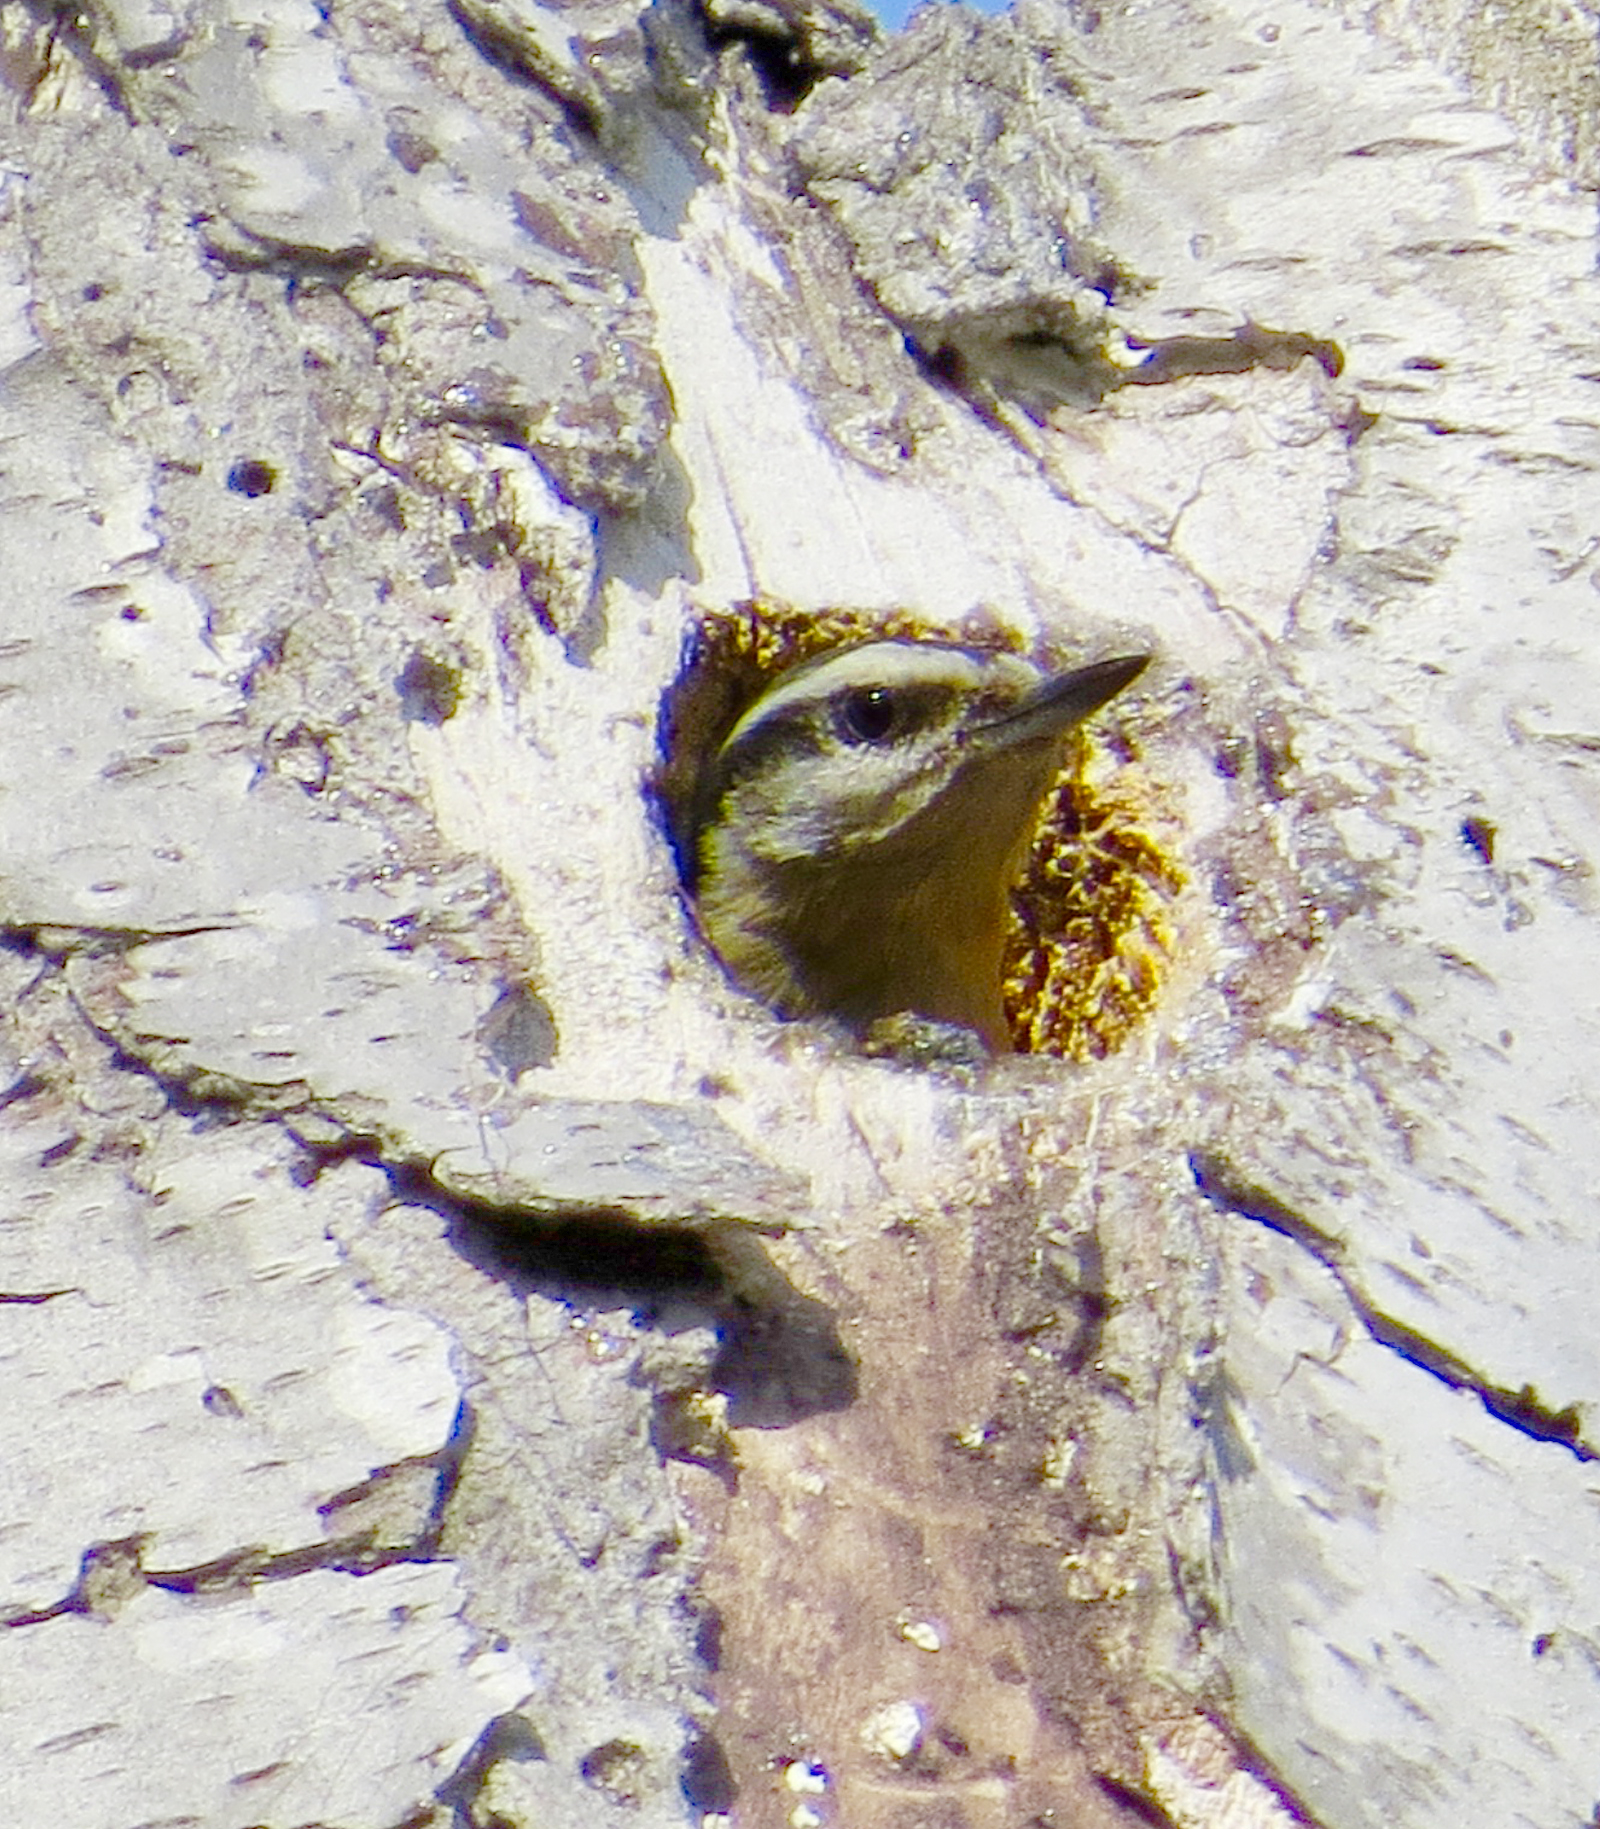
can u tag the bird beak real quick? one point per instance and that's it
(1060, 703)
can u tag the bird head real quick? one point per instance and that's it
(856, 832)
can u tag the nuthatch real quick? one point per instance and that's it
(857, 834)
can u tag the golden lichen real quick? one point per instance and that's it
(1092, 929)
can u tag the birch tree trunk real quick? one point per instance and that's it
(467, 1364)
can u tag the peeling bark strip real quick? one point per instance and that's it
(465, 1362)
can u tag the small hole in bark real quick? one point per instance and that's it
(616, 1770)
(430, 690)
(251, 476)
(519, 1032)
(1478, 835)
(707, 1781)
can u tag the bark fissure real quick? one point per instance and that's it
(1523, 1410)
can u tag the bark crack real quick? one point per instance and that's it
(1523, 1410)
(386, 1520)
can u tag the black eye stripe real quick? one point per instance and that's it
(791, 734)
(854, 717)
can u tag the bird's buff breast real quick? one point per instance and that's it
(864, 942)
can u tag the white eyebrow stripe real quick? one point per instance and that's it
(876, 663)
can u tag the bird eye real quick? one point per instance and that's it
(867, 715)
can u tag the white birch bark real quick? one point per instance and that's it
(437, 1308)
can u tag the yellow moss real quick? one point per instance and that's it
(1092, 930)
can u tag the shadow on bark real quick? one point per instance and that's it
(780, 1357)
